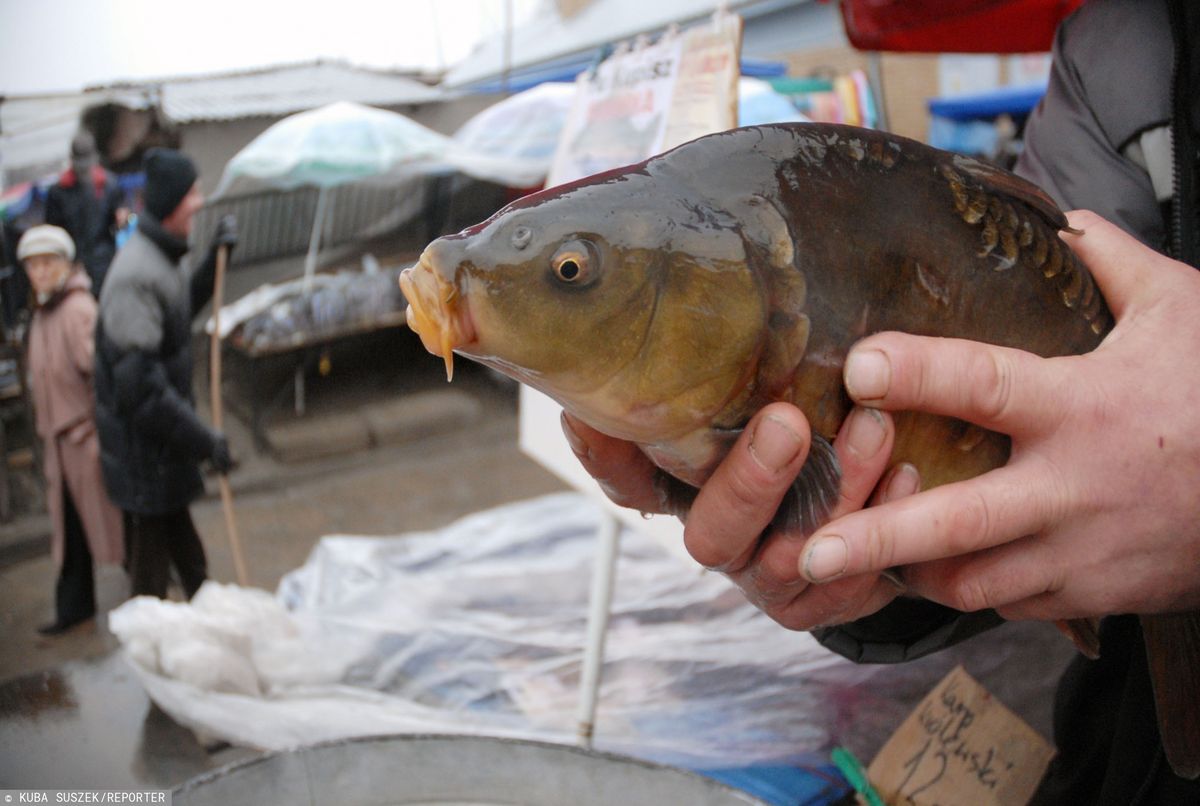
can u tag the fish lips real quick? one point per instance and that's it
(437, 312)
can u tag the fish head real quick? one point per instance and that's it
(621, 300)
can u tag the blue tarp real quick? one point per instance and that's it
(785, 785)
(1015, 101)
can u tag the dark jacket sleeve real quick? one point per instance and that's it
(201, 280)
(1075, 139)
(145, 396)
(904, 630)
(55, 215)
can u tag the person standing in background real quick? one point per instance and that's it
(86, 202)
(86, 526)
(152, 441)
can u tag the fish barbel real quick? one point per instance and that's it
(666, 302)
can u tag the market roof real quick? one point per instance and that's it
(282, 90)
(35, 129)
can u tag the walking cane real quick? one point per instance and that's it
(235, 544)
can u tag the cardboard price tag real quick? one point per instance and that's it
(960, 746)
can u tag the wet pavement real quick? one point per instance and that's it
(89, 725)
(72, 713)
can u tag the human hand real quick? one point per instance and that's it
(1097, 510)
(725, 524)
(222, 458)
(226, 233)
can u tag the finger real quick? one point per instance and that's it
(999, 388)
(826, 605)
(772, 578)
(864, 447)
(624, 473)
(1000, 578)
(901, 481)
(738, 501)
(954, 519)
(1114, 256)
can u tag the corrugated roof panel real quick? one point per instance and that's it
(283, 90)
(36, 130)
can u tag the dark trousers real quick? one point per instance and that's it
(1109, 751)
(155, 542)
(75, 590)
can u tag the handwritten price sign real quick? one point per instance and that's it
(960, 746)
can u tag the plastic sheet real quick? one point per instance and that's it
(524, 127)
(478, 629)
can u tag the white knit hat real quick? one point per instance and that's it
(46, 240)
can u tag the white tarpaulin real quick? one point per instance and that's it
(478, 629)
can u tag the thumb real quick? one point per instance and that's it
(1125, 269)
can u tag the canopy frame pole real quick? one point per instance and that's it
(604, 572)
(218, 415)
(314, 241)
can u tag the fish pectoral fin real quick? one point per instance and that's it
(814, 493)
(675, 497)
(1173, 653)
(1084, 634)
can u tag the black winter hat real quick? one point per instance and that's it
(169, 177)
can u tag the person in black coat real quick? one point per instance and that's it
(151, 439)
(87, 203)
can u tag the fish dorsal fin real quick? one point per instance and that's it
(1001, 182)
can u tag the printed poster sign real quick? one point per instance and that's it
(646, 99)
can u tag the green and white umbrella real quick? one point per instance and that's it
(326, 147)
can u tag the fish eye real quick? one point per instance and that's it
(573, 263)
(521, 237)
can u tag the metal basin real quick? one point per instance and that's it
(446, 770)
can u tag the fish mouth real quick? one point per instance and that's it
(437, 311)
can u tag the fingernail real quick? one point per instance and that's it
(825, 559)
(866, 433)
(905, 481)
(573, 439)
(774, 445)
(868, 374)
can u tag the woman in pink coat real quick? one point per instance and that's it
(87, 528)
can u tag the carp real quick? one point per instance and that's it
(664, 303)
